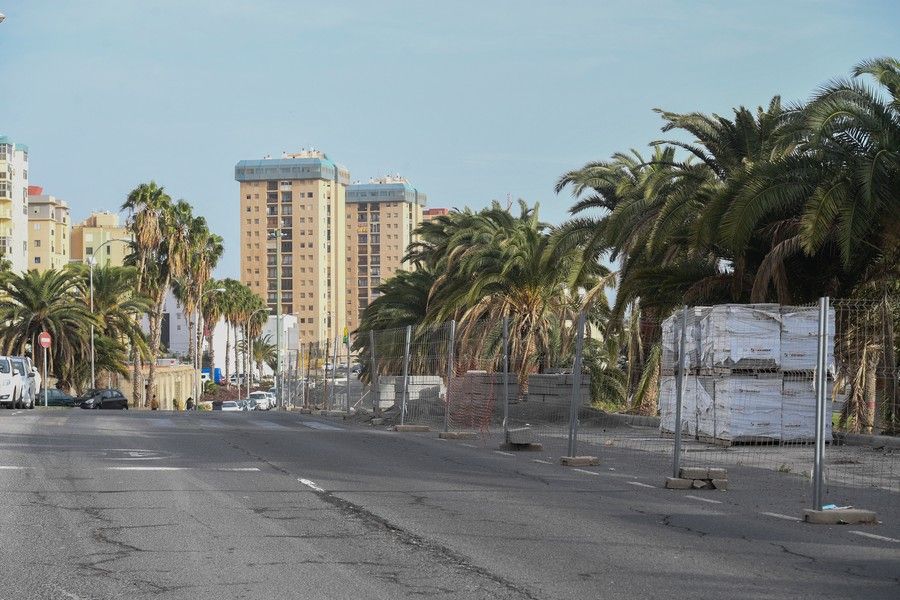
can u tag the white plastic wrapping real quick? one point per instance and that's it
(671, 338)
(737, 335)
(798, 409)
(799, 338)
(688, 406)
(743, 407)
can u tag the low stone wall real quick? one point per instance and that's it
(172, 383)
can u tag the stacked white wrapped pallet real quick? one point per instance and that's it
(671, 338)
(746, 408)
(667, 403)
(744, 336)
(800, 338)
(798, 409)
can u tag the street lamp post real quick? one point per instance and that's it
(91, 261)
(276, 233)
(198, 335)
(247, 346)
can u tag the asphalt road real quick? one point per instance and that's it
(280, 505)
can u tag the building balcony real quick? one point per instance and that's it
(5, 213)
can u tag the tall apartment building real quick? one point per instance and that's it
(48, 230)
(433, 213)
(381, 217)
(14, 203)
(100, 227)
(302, 195)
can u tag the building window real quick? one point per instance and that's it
(89, 250)
(37, 243)
(37, 260)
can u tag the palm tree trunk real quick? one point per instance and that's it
(137, 398)
(212, 355)
(227, 353)
(155, 334)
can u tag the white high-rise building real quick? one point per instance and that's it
(14, 203)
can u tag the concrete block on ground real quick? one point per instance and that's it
(457, 435)
(579, 461)
(412, 428)
(376, 421)
(304, 411)
(333, 413)
(693, 472)
(677, 483)
(701, 484)
(520, 435)
(839, 516)
(717, 473)
(720, 484)
(522, 447)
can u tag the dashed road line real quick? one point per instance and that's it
(12, 468)
(504, 453)
(704, 499)
(639, 484)
(543, 462)
(311, 485)
(146, 468)
(468, 445)
(873, 536)
(586, 471)
(239, 469)
(781, 516)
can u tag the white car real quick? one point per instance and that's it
(23, 382)
(10, 384)
(259, 401)
(230, 406)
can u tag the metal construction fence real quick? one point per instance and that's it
(800, 397)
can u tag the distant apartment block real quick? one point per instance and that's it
(381, 217)
(48, 230)
(13, 203)
(433, 213)
(302, 197)
(90, 234)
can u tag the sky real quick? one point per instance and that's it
(471, 101)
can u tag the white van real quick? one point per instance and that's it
(22, 383)
(10, 384)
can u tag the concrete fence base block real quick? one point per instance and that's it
(304, 411)
(839, 516)
(457, 435)
(693, 472)
(720, 484)
(677, 483)
(522, 447)
(333, 413)
(376, 422)
(717, 473)
(579, 461)
(412, 428)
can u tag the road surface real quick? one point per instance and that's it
(280, 505)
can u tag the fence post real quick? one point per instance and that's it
(348, 373)
(506, 379)
(300, 384)
(450, 367)
(334, 358)
(679, 393)
(576, 387)
(405, 375)
(373, 375)
(821, 408)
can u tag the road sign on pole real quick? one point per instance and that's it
(44, 342)
(44, 339)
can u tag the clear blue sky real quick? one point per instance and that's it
(472, 101)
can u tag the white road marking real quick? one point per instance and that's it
(146, 468)
(311, 485)
(12, 468)
(639, 484)
(781, 516)
(504, 453)
(703, 499)
(585, 471)
(543, 462)
(239, 469)
(162, 422)
(468, 445)
(270, 425)
(876, 537)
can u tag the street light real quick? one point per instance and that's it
(2, 17)
(198, 363)
(91, 261)
(249, 356)
(277, 235)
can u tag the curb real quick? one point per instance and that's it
(412, 428)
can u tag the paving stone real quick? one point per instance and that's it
(694, 472)
(720, 484)
(677, 483)
(717, 473)
(579, 461)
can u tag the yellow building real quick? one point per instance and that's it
(381, 217)
(48, 231)
(302, 195)
(95, 230)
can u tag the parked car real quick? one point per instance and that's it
(259, 401)
(55, 397)
(103, 399)
(10, 384)
(230, 406)
(355, 368)
(21, 368)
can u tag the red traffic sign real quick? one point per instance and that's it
(44, 339)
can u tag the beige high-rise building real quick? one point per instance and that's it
(381, 217)
(98, 228)
(302, 195)
(49, 230)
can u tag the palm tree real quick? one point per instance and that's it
(34, 302)
(261, 351)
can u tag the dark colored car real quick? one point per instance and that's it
(55, 397)
(108, 399)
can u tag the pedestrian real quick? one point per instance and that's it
(190, 403)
